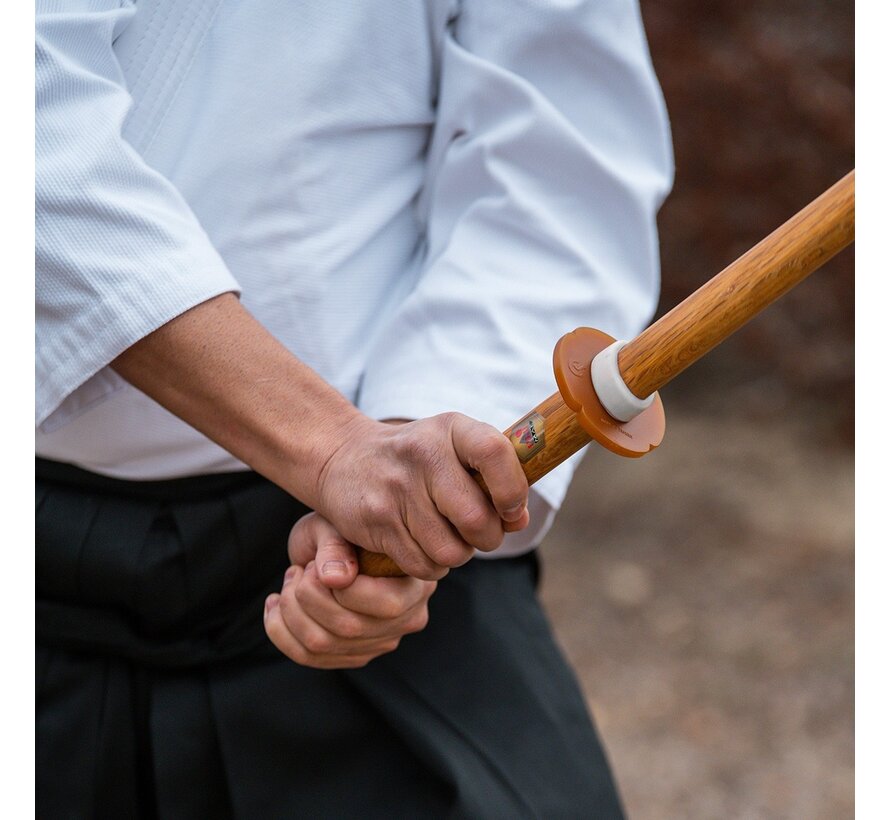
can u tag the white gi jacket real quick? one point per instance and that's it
(417, 198)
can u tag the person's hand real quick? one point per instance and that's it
(329, 617)
(404, 490)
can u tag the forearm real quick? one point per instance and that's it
(400, 489)
(221, 371)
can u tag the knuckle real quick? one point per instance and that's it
(474, 518)
(427, 572)
(288, 606)
(428, 457)
(492, 542)
(419, 565)
(450, 554)
(296, 532)
(480, 526)
(348, 627)
(316, 642)
(435, 574)
(428, 440)
(378, 508)
(301, 594)
(301, 656)
(418, 622)
(296, 654)
(492, 446)
(417, 446)
(390, 607)
(445, 421)
(515, 500)
(304, 524)
(299, 543)
(401, 484)
(398, 551)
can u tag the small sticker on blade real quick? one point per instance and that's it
(528, 436)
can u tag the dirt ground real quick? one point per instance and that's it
(704, 594)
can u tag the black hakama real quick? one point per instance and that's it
(159, 695)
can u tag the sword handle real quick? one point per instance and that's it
(559, 436)
(570, 418)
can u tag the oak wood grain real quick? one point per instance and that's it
(738, 293)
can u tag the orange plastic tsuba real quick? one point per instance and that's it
(571, 364)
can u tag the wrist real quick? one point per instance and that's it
(219, 370)
(306, 450)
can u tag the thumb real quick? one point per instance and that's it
(335, 559)
(314, 538)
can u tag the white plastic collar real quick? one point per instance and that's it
(613, 393)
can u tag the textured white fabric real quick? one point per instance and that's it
(417, 198)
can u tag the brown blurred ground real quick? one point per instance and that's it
(705, 593)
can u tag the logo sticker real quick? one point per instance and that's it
(528, 436)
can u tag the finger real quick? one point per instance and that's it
(291, 647)
(314, 538)
(385, 598)
(465, 506)
(313, 636)
(482, 448)
(335, 558)
(301, 542)
(461, 501)
(399, 544)
(433, 529)
(402, 612)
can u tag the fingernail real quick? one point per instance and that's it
(291, 571)
(271, 600)
(334, 568)
(514, 513)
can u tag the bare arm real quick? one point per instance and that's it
(403, 490)
(220, 370)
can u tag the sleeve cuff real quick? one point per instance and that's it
(76, 351)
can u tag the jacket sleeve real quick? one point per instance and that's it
(550, 158)
(118, 251)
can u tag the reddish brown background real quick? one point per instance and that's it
(705, 593)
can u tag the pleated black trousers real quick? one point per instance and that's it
(158, 694)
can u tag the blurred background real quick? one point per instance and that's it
(705, 592)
